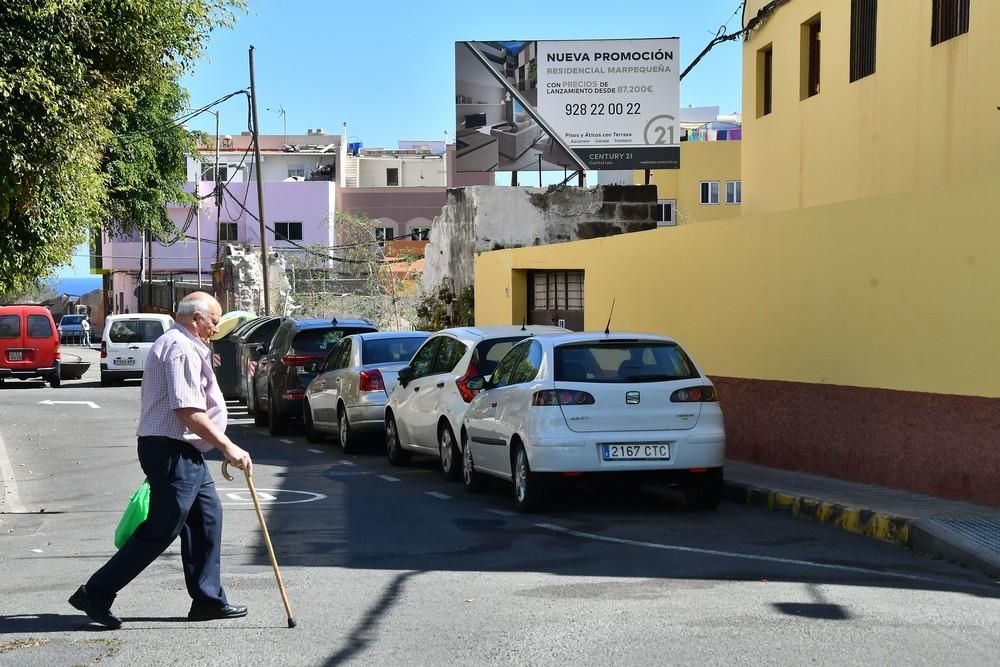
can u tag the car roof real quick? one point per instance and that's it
(316, 323)
(381, 335)
(139, 316)
(590, 336)
(34, 307)
(502, 331)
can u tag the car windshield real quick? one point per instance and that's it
(135, 331)
(320, 341)
(389, 350)
(624, 361)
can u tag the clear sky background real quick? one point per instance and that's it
(387, 67)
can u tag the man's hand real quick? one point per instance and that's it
(238, 457)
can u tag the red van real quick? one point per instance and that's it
(29, 344)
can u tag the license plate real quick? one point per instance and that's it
(15, 355)
(119, 361)
(644, 451)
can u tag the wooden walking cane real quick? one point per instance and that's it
(267, 539)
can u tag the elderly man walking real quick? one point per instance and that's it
(182, 415)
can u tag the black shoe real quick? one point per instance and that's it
(81, 600)
(201, 613)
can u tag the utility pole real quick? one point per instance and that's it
(260, 190)
(218, 195)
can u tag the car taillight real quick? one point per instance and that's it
(705, 394)
(370, 381)
(561, 397)
(104, 350)
(463, 386)
(298, 359)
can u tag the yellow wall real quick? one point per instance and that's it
(898, 292)
(700, 161)
(927, 116)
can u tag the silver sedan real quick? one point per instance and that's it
(349, 394)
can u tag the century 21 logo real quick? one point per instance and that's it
(659, 130)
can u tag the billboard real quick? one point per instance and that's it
(567, 105)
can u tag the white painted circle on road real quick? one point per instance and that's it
(269, 496)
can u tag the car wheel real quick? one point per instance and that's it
(277, 423)
(55, 379)
(397, 455)
(529, 488)
(473, 481)
(312, 435)
(348, 441)
(451, 457)
(259, 416)
(704, 491)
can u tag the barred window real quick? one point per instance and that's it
(863, 23)
(950, 18)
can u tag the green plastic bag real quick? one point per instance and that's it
(135, 514)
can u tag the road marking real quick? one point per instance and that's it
(389, 478)
(10, 501)
(438, 494)
(731, 554)
(502, 512)
(287, 442)
(51, 402)
(242, 496)
(316, 451)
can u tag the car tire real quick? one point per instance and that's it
(473, 481)
(393, 450)
(276, 422)
(345, 436)
(704, 491)
(260, 418)
(529, 486)
(312, 435)
(449, 453)
(55, 378)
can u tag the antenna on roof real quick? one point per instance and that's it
(607, 329)
(524, 320)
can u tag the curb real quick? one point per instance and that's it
(920, 536)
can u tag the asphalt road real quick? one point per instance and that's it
(395, 565)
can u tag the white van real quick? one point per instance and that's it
(126, 342)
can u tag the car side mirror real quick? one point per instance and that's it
(260, 349)
(405, 375)
(476, 383)
(312, 366)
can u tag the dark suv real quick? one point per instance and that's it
(281, 380)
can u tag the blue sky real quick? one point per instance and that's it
(387, 68)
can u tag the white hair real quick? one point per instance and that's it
(195, 303)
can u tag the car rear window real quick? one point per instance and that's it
(623, 362)
(71, 319)
(39, 327)
(10, 326)
(489, 353)
(135, 331)
(320, 341)
(389, 350)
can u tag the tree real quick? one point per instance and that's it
(85, 88)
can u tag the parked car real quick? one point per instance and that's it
(224, 357)
(348, 396)
(599, 404)
(281, 378)
(126, 342)
(29, 344)
(426, 408)
(249, 345)
(71, 329)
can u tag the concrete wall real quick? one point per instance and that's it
(851, 340)
(926, 117)
(430, 171)
(486, 218)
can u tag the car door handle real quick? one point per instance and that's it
(440, 384)
(416, 389)
(133, 347)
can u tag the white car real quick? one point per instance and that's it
(595, 403)
(126, 342)
(425, 409)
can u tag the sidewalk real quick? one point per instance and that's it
(956, 531)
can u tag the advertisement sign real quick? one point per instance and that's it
(567, 105)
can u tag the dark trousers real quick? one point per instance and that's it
(182, 501)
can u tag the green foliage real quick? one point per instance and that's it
(446, 309)
(79, 81)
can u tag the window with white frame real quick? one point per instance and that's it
(420, 233)
(709, 192)
(383, 234)
(208, 172)
(296, 170)
(734, 192)
(288, 231)
(665, 212)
